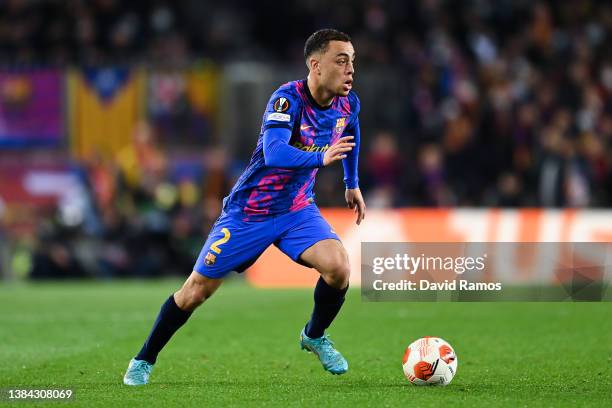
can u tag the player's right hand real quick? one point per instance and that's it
(338, 150)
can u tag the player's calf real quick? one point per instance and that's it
(330, 259)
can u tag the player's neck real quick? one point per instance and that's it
(320, 95)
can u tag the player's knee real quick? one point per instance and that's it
(194, 293)
(188, 299)
(338, 270)
(196, 297)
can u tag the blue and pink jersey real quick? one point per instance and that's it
(295, 134)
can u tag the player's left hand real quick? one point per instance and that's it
(354, 200)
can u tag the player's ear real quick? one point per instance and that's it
(315, 66)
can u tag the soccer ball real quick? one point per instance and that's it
(430, 361)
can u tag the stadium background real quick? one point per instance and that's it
(127, 123)
(123, 124)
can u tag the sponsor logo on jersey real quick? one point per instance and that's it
(281, 104)
(280, 117)
(310, 148)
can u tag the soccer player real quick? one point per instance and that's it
(308, 124)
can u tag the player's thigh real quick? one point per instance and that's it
(232, 245)
(327, 256)
(309, 240)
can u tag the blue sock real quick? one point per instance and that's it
(169, 320)
(327, 304)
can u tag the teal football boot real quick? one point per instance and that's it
(138, 372)
(330, 358)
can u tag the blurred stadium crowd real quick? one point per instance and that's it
(497, 103)
(108, 221)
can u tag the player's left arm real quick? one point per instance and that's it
(353, 196)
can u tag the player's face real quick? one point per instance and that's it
(337, 67)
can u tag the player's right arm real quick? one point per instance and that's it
(281, 114)
(278, 153)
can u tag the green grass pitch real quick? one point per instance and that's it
(241, 348)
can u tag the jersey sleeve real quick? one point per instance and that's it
(278, 153)
(351, 162)
(281, 111)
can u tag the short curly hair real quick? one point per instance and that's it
(319, 40)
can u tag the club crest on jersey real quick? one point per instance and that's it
(210, 259)
(340, 125)
(281, 104)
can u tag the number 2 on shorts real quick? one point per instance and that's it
(215, 245)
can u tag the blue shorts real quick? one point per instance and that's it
(234, 244)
